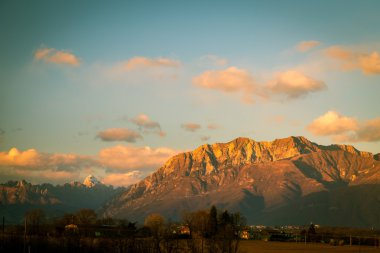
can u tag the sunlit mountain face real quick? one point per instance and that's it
(284, 181)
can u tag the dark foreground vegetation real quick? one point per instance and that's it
(204, 231)
(201, 231)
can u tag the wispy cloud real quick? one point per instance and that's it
(51, 55)
(147, 125)
(349, 60)
(139, 63)
(191, 127)
(123, 179)
(213, 60)
(119, 134)
(305, 46)
(213, 126)
(345, 129)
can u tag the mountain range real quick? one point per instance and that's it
(17, 197)
(285, 181)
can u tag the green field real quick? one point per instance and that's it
(285, 247)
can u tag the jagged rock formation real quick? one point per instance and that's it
(255, 178)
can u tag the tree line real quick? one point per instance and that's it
(202, 231)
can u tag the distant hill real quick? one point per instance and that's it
(16, 197)
(290, 180)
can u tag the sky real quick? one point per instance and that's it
(115, 88)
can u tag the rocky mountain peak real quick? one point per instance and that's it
(91, 181)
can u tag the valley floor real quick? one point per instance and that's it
(290, 247)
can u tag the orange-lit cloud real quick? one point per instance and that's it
(294, 84)
(32, 159)
(332, 123)
(123, 179)
(119, 134)
(213, 126)
(370, 64)
(345, 129)
(348, 60)
(134, 158)
(138, 63)
(305, 46)
(51, 55)
(192, 127)
(231, 79)
(147, 125)
(290, 84)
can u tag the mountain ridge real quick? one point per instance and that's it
(245, 175)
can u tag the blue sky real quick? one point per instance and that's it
(114, 89)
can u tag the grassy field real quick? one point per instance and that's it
(286, 247)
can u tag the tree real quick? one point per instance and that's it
(86, 217)
(156, 223)
(213, 221)
(34, 219)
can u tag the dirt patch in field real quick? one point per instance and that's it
(286, 247)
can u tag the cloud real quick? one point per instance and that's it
(134, 158)
(338, 52)
(123, 179)
(345, 129)
(139, 63)
(369, 131)
(332, 123)
(294, 84)
(349, 60)
(31, 159)
(191, 127)
(213, 126)
(36, 166)
(119, 134)
(213, 60)
(51, 55)
(291, 84)
(231, 79)
(148, 125)
(370, 64)
(305, 46)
